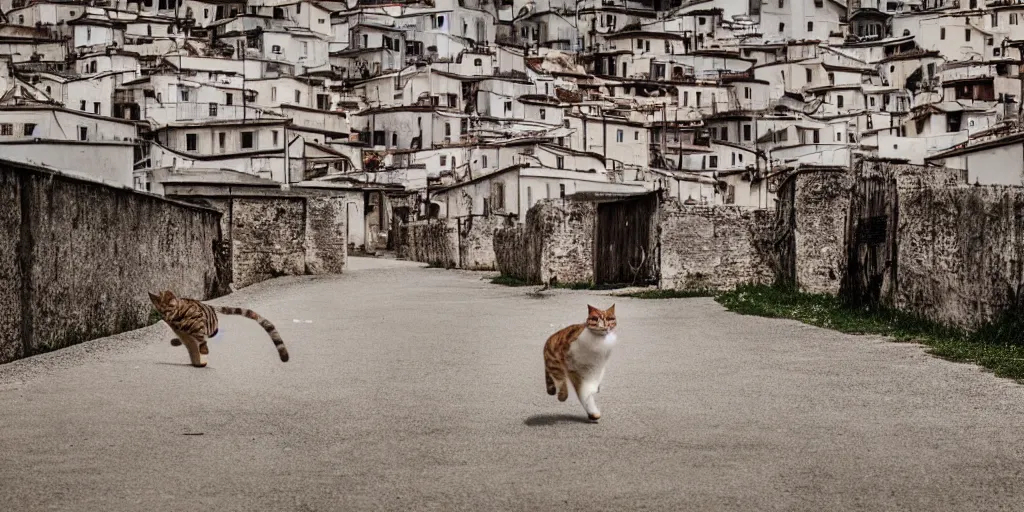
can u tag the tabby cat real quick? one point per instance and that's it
(194, 322)
(579, 354)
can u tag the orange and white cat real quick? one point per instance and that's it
(579, 354)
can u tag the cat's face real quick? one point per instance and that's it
(601, 321)
(163, 301)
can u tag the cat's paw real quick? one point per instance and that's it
(595, 416)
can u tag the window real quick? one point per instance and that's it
(30, 129)
(942, 33)
(92, 67)
(1013, 19)
(636, 135)
(394, 139)
(702, 20)
(746, 93)
(221, 137)
(444, 160)
(639, 44)
(508, 106)
(560, 162)
(248, 140)
(305, 47)
(782, 27)
(229, 99)
(483, 161)
(478, 62)
(6, 129)
(276, 49)
(810, 75)
(698, 98)
(83, 133)
(298, 97)
(21, 19)
(686, 98)
(561, 190)
(618, 136)
(839, 101)
(191, 142)
(995, 19)
(713, 161)
(529, 197)
(184, 94)
(810, 26)
(543, 114)
(88, 33)
(447, 130)
(817, 136)
(967, 34)
(746, 132)
(782, 3)
(213, 110)
(95, 107)
(273, 136)
(725, 133)
(320, 21)
(81, 106)
(273, 94)
(206, 13)
(871, 101)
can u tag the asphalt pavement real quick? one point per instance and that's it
(412, 388)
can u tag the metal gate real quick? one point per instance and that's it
(625, 251)
(870, 275)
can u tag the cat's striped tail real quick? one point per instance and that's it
(264, 323)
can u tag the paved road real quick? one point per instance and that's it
(422, 389)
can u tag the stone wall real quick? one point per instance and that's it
(712, 247)
(77, 258)
(434, 241)
(566, 231)
(516, 253)
(476, 241)
(822, 205)
(273, 234)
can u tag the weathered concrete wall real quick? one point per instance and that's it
(822, 206)
(960, 256)
(275, 234)
(77, 258)
(433, 241)
(710, 247)
(476, 241)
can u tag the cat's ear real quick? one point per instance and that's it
(611, 311)
(591, 310)
(154, 298)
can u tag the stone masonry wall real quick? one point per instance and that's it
(960, 252)
(273, 235)
(822, 206)
(710, 247)
(433, 241)
(566, 231)
(77, 258)
(476, 241)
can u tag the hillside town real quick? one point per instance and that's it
(455, 108)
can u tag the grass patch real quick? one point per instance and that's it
(668, 294)
(998, 346)
(154, 317)
(509, 281)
